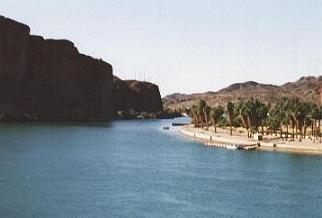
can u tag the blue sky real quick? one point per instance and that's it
(186, 45)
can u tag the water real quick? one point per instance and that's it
(136, 169)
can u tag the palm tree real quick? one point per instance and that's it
(200, 111)
(194, 115)
(230, 113)
(316, 114)
(253, 114)
(275, 118)
(215, 114)
(261, 114)
(240, 110)
(206, 114)
(247, 111)
(293, 110)
(300, 111)
(306, 108)
(285, 107)
(278, 117)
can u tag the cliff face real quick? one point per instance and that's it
(49, 79)
(136, 95)
(13, 48)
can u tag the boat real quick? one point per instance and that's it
(251, 147)
(231, 147)
(166, 128)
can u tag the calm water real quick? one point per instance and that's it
(136, 169)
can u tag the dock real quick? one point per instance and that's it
(233, 146)
(179, 124)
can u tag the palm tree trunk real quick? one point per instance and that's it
(248, 130)
(320, 130)
(206, 119)
(314, 131)
(214, 123)
(293, 135)
(287, 130)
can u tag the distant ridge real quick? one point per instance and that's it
(305, 88)
(247, 85)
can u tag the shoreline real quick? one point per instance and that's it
(205, 136)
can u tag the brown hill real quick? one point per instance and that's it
(306, 88)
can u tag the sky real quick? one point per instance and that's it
(186, 46)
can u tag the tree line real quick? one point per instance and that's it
(289, 117)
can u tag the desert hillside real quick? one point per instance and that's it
(306, 88)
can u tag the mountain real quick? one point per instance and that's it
(306, 88)
(49, 80)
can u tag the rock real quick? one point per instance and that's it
(13, 48)
(50, 79)
(136, 95)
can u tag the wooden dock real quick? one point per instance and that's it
(233, 146)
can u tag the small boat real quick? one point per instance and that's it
(239, 147)
(231, 147)
(250, 148)
(166, 128)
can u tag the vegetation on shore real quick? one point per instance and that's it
(289, 117)
(132, 114)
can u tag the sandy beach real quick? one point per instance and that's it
(307, 146)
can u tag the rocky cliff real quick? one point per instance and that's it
(50, 80)
(136, 95)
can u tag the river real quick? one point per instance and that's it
(137, 169)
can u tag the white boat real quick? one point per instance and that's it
(231, 147)
(251, 147)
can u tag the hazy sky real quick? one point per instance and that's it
(186, 45)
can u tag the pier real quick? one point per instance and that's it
(247, 147)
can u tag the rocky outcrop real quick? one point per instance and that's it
(136, 95)
(14, 39)
(50, 80)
